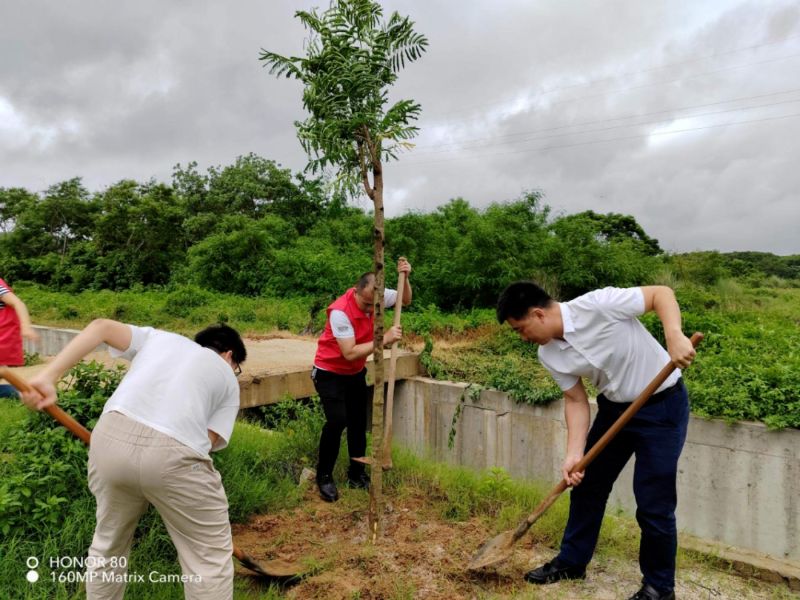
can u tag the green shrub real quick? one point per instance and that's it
(40, 482)
(184, 299)
(748, 366)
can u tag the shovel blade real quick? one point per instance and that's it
(494, 551)
(275, 569)
(367, 460)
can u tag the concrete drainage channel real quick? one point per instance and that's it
(738, 486)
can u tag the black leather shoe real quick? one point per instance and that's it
(359, 481)
(327, 488)
(554, 571)
(648, 592)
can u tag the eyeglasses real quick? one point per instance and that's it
(238, 370)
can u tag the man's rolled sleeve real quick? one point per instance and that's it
(139, 336)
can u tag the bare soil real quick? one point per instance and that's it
(422, 557)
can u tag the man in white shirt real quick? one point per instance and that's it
(598, 337)
(151, 445)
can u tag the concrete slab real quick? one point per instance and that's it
(281, 368)
(275, 369)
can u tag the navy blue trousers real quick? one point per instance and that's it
(655, 435)
(8, 391)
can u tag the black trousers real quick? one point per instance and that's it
(655, 435)
(344, 400)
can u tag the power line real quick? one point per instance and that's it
(570, 87)
(638, 87)
(614, 91)
(630, 137)
(658, 112)
(545, 137)
(608, 79)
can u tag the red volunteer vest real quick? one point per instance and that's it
(10, 335)
(329, 356)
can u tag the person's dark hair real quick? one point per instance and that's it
(518, 298)
(365, 280)
(223, 338)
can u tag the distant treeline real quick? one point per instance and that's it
(254, 228)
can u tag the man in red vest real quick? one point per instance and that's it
(340, 376)
(15, 324)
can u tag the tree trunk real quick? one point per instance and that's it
(376, 475)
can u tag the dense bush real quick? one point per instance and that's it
(748, 366)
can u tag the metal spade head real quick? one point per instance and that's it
(274, 569)
(494, 551)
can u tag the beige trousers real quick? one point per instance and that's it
(131, 466)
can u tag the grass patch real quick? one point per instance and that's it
(454, 493)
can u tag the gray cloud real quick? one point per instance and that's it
(127, 90)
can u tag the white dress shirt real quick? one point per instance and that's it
(177, 387)
(605, 343)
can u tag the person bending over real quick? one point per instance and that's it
(598, 337)
(177, 403)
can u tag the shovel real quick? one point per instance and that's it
(277, 569)
(499, 547)
(387, 420)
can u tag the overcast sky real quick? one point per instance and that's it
(112, 90)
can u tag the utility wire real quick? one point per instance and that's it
(599, 81)
(556, 135)
(570, 87)
(658, 112)
(628, 89)
(630, 137)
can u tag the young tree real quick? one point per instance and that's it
(352, 58)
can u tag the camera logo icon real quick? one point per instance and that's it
(32, 563)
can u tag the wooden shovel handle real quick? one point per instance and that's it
(52, 410)
(632, 410)
(398, 305)
(387, 430)
(603, 441)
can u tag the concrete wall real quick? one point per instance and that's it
(738, 485)
(52, 341)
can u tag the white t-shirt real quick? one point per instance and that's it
(605, 343)
(177, 387)
(341, 325)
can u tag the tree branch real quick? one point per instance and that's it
(376, 163)
(364, 176)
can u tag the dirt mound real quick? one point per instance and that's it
(421, 556)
